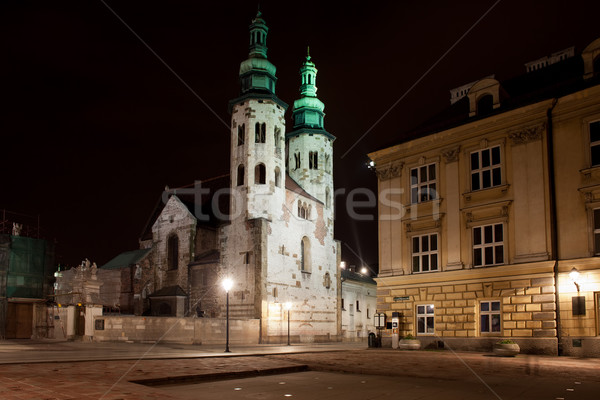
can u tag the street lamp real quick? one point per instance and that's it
(574, 275)
(288, 305)
(227, 284)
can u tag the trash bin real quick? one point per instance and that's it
(372, 340)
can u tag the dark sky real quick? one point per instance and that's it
(94, 126)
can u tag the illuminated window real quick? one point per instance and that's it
(241, 134)
(595, 142)
(425, 253)
(423, 184)
(425, 319)
(489, 316)
(486, 170)
(488, 245)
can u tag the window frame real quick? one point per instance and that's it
(426, 316)
(490, 312)
(417, 187)
(593, 144)
(483, 245)
(427, 253)
(595, 232)
(481, 170)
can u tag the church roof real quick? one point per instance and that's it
(198, 198)
(169, 291)
(209, 257)
(126, 259)
(292, 185)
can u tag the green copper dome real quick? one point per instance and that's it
(308, 112)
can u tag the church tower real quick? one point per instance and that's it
(257, 134)
(310, 146)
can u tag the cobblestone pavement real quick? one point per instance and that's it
(112, 379)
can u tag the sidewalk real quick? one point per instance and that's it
(56, 378)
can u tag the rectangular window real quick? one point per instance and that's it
(425, 253)
(343, 304)
(357, 306)
(423, 184)
(241, 134)
(425, 319)
(488, 245)
(486, 169)
(595, 142)
(597, 231)
(489, 314)
(368, 316)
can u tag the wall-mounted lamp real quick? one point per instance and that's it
(574, 275)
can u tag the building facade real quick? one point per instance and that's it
(484, 214)
(358, 302)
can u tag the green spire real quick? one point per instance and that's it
(258, 37)
(308, 109)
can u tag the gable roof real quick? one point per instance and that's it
(199, 199)
(169, 291)
(126, 259)
(292, 185)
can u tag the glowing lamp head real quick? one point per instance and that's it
(574, 274)
(364, 270)
(343, 265)
(288, 305)
(227, 284)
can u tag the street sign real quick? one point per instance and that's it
(401, 298)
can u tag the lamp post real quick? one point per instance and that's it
(227, 284)
(288, 306)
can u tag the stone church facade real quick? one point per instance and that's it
(268, 225)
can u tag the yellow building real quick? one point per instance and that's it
(484, 213)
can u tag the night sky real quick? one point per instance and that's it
(94, 125)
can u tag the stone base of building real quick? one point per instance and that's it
(581, 346)
(544, 346)
(301, 339)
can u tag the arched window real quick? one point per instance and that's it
(485, 104)
(277, 177)
(260, 174)
(305, 264)
(241, 134)
(327, 280)
(240, 175)
(173, 252)
(260, 132)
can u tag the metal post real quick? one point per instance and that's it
(227, 316)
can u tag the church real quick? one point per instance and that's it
(267, 226)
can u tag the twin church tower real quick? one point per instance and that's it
(279, 246)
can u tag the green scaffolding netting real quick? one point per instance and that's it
(25, 276)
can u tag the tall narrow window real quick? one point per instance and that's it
(260, 174)
(595, 142)
(305, 265)
(489, 315)
(313, 160)
(486, 169)
(241, 134)
(277, 139)
(423, 184)
(425, 253)
(173, 252)
(327, 197)
(488, 245)
(277, 177)
(597, 231)
(260, 132)
(297, 160)
(425, 319)
(240, 175)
